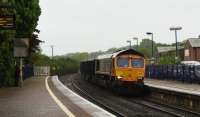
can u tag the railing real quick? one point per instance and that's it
(41, 70)
(184, 73)
(27, 71)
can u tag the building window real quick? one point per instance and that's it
(187, 52)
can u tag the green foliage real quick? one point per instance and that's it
(63, 66)
(68, 63)
(166, 60)
(59, 65)
(6, 47)
(40, 60)
(162, 44)
(179, 44)
(6, 57)
(145, 47)
(145, 51)
(112, 50)
(27, 14)
(77, 56)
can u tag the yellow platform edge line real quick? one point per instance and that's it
(58, 102)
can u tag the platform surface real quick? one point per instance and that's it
(187, 88)
(32, 100)
(46, 97)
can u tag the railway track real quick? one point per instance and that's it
(171, 110)
(175, 109)
(145, 103)
(85, 94)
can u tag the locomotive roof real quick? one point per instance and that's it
(113, 55)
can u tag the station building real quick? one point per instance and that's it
(192, 49)
(170, 51)
(189, 52)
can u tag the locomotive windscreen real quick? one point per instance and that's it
(139, 63)
(122, 62)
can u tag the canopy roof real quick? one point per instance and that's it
(195, 42)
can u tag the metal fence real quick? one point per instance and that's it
(27, 71)
(182, 73)
(41, 70)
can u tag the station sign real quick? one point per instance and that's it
(7, 22)
(21, 46)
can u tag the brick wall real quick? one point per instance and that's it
(187, 47)
(194, 53)
(197, 54)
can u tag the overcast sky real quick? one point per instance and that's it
(92, 25)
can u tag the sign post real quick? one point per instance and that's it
(21, 46)
(21, 73)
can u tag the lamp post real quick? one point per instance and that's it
(135, 38)
(52, 46)
(175, 30)
(152, 53)
(129, 41)
(52, 64)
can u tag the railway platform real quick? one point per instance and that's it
(45, 97)
(32, 100)
(183, 95)
(180, 87)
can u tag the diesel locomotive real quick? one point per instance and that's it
(124, 68)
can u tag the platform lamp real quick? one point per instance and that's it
(52, 48)
(135, 38)
(152, 53)
(129, 41)
(175, 30)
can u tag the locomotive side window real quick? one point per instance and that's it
(122, 62)
(137, 63)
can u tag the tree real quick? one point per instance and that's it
(27, 15)
(146, 47)
(28, 12)
(6, 47)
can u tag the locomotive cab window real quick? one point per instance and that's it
(139, 63)
(122, 62)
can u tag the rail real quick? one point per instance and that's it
(184, 112)
(163, 108)
(171, 110)
(85, 94)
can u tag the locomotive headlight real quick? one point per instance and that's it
(119, 77)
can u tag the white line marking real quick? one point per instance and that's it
(59, 103)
